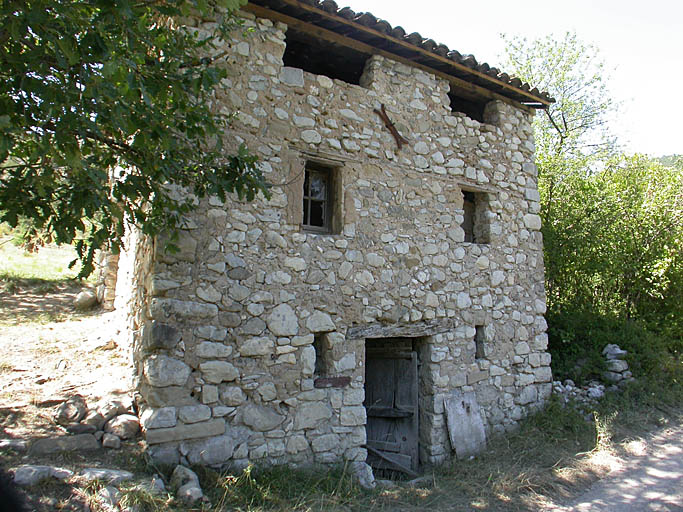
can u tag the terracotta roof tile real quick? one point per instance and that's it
(483, 74)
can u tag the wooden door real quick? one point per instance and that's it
(392, 409)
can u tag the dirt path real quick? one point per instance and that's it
(43, 364)
(650, 480)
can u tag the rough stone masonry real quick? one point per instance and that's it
(250, 342)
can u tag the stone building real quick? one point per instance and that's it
(398, 263)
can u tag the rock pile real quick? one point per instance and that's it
(568, 391)
(617, 373)
(617, 368)
(104, 425)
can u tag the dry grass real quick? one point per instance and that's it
(553, 456)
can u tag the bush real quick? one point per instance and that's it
(576, 341)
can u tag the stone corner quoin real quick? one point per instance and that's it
(251, 342)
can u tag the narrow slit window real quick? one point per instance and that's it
(469, 210)
(321, 356)
(479, 340)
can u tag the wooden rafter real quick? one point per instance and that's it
(469, 89)
(403, 44)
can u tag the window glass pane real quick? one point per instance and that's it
(306, 206)
(317, 217)
(318, 189)
(307, 184)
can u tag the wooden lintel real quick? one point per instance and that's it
(408, 46)
(333, 37)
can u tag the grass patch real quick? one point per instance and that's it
(281, 488)
(48, 264)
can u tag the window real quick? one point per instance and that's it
(322, 355)
(471, 107)
(475, 222)
(318, 199)
(322, 57)
(479, 339)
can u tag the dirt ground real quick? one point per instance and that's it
(44, 363)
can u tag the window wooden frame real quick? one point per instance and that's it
(310, 220)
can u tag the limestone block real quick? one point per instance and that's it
(528, 395)
(297, 264)
(282, 321)
(194, 413)
(186, 248)
(464, 301)
(260, 418)
(297, 444)
(522, 348)
(161, 308)
(309, 415)
(543, 374)
(311, 136)
(307, 360)
(162, 371)
(50, 445)
(532, 221)
(256, 347)
(354, 396)
(209, 394)
(125, 426)
(320, 322)
(347, 362)
(71, 410)
(254, 326)
(292, 76)
(214, 427)
(617, 365)
(211, 333)
(325, 443)
(267, 391)
(497, 277)
(210, 350)
(158, 418)
(111, 441)
(298, 341)
(233, 396)
(216, 372)
(216, 450)
(476, 376)
(353, 416)
(350, 114)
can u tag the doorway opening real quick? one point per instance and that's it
(392, 374)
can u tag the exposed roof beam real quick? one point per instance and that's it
(469, 89)
(533, 99)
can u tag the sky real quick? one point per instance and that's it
(641, 43)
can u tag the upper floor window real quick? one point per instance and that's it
(321, 57)
(475, 223)
(319, 198)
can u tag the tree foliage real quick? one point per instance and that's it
(106, 109)
(612, 223)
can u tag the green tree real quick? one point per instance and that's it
(612, 223)
(106, 110)
(572, 134)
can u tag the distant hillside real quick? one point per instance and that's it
(671, 160)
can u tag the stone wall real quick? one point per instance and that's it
(227, 329)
